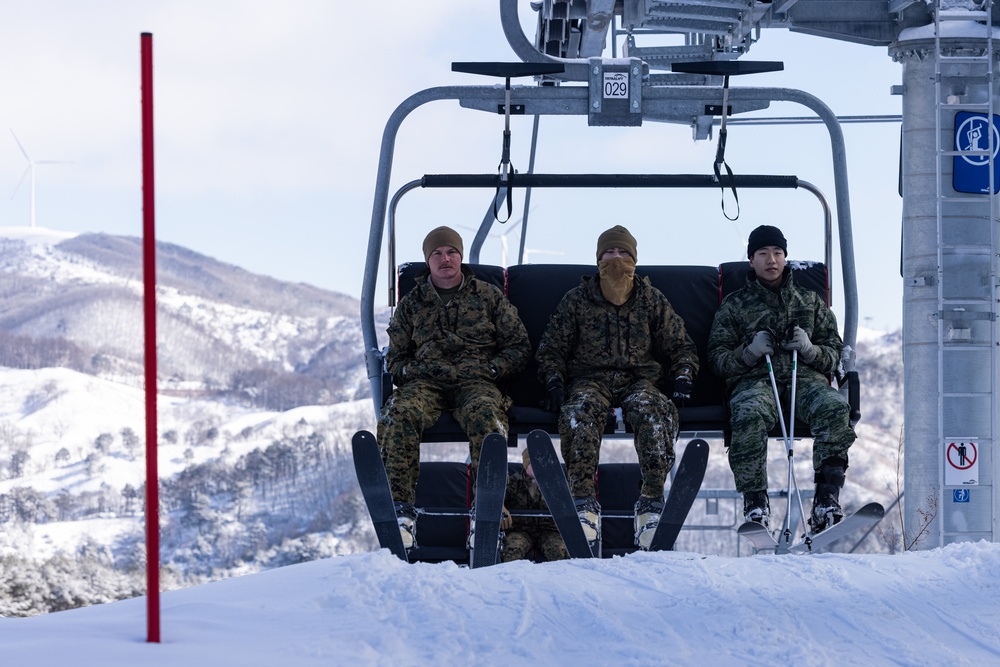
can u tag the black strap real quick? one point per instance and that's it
(720, 156)
(732, 185)
(505, 169)
(506, 177)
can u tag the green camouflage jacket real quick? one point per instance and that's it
(754, 308)
(523, 494)
(589, 337)
(477, 329)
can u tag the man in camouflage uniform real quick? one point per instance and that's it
(608, 344)
(526, 533)
(451, 340)
(772, 313)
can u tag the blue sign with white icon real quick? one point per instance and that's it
(971, 173)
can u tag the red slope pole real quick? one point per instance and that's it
(149, 313)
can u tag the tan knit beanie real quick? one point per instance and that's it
(616, 237)
(440, 236)
(525, 458)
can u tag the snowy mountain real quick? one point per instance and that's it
(76, 302)
(242, 488)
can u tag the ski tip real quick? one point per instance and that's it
(494, 437)
(750, 527)
(872, 509)
(362, 435)
(537, 437)
(698, 446)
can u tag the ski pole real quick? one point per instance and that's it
(782, 548)
(777, 399)
(791, 427)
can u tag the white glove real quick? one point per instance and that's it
(799, 340)
(762, 343)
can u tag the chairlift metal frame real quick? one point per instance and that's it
(664, 101)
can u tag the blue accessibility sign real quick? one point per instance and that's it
(971, 173)
(961, 495)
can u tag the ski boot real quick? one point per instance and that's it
(826, 510)
(406, 517)
(756, 508)
(647, 518)
(589, 511)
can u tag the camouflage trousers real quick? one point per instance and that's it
(753, 414)
(517, 544)
(652, 416)
(478, 406)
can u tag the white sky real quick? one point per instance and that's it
(269, 116)
(931, 608)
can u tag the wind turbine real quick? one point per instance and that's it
(30, 170)
(504, 247)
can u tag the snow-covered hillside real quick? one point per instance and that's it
(76, 301)
(241, 489)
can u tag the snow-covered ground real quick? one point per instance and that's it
(937, 607)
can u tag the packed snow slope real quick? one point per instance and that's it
(936, 607)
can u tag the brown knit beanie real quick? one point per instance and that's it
(440, 236)
(616, 237)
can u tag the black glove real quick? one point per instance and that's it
(762, 343)
(799, 340)
(555, 395)
(683, 386)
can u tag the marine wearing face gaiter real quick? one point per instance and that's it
(617, 278)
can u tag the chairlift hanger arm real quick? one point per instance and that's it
(506, 70)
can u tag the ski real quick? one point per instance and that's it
(683, 490)
(370, 469)
(491, 487)
(865, 517)
(555, 489)
(759, 536)
(763, 540)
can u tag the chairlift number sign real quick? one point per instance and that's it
(615, 85)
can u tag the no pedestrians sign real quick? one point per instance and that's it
(961, 462)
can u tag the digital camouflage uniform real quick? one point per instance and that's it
(442, 358)
(530, 532)
(611, 356)
(751, 398)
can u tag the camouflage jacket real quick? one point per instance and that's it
(523, 494)
(477, 329)
(589, 337)
(755, 308)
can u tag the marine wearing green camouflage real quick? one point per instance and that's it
(530, 532)
(742, 314)
(447, 356)
(612, 356)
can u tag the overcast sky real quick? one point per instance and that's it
(268, 119)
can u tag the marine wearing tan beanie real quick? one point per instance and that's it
(440, 236)
(616, 237)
